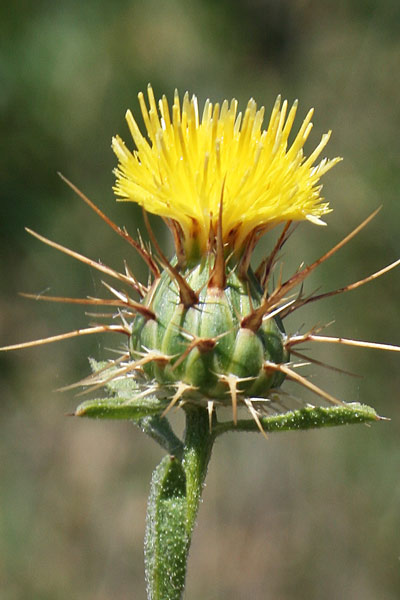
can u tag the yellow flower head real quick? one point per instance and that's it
(189, 164)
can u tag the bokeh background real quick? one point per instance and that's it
(305, 515)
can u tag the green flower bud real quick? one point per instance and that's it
(204, 346)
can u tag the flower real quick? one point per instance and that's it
(208, 330)
(188, 164)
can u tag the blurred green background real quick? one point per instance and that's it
(302, 516)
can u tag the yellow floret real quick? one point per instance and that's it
(187, 164)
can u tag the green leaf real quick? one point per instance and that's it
(310, 417)
(126, 398)
(120, 386)
(130, 408)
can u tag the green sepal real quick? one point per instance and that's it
(310, 417)
(166, 541)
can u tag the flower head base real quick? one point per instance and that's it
(190, 164)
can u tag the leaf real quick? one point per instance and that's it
(117, 407)
(310, 417)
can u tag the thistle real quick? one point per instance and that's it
(207, 332)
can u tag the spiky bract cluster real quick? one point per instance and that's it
(202, 347)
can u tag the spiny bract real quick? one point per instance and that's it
(204, 345)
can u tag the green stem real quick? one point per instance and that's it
(175, 494)
(159, 429)
(199, 441)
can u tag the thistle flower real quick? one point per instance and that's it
(187, 164)
(207, 331)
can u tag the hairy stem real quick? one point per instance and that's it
(175, 494)
(199, 441)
